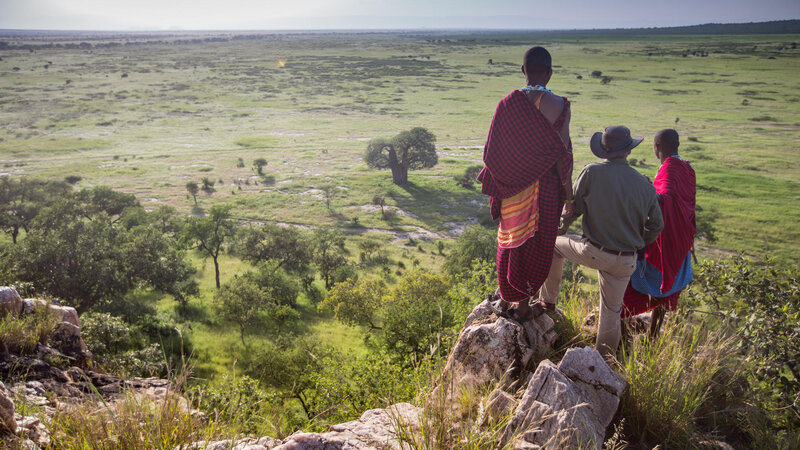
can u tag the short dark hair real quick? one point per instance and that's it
(537, 59)
(669, 138)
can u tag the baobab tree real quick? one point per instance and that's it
(412, 149)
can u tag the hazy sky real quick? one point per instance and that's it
(318, 14)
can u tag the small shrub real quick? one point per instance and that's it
(669, 381)
(467, 179)
(20, 335)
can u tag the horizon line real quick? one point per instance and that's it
(381, 29)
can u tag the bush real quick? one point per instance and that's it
(476, 242)
(670, 380)
(417, 315)
(467, 179)
(759, 302)
(20, 335)
(119, 348)
(241, 403)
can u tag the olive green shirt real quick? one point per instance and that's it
(619, 205)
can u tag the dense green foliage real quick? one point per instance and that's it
(467, 179)
(476, 242)
(120, 350)
(759, 302)
(88, 233)
(21, 200)
(287, 247)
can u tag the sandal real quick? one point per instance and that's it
(512, 314)
(549, 307)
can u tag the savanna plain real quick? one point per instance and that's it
(145, 114)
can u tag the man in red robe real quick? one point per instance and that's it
(528, 143)
(667, 268)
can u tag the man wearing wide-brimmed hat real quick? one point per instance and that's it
(620, 216)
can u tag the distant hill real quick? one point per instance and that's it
(774, 27)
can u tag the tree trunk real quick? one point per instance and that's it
(303, 404)
(216, 270)
(241, 334)
(399, 175)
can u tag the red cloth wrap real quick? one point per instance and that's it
(676, 187)
(522, 147)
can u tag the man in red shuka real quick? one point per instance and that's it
(527, 174)
(667, 267)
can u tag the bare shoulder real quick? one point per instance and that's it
(552, 105)
(553, 100)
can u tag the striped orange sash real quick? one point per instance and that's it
(519, 217)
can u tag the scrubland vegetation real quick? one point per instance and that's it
(211, 214)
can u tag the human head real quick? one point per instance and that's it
(537, 65)
(614, 142)
(665, 144)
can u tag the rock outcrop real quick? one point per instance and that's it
(569, 405)
(10, 302)
(8, 423)
(374, 430)
(61, 367)
(492, 348)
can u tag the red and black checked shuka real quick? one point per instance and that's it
(522, 147)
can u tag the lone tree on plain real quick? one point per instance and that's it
(258, 165)
(193, 189)
(380, 200)
(413, 149)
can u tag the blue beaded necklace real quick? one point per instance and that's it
(537, 88)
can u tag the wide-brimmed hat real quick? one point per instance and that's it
(613, 142)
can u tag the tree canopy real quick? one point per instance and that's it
(409, 150)
(287, 247)
(209, 233)
(82, 249)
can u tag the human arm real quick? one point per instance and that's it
(654, 223)
(578, 195)
(567, 181)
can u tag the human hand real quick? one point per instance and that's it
(569, 210)
(563, 227)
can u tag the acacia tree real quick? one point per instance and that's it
(328, 253)
(258, 165)
(356, 302)
(286, 247)
(193, 189)
(413, 149)
(241, 300)
(22, 199)
(210, 232)
(79, 250)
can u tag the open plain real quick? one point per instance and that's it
(147, 113)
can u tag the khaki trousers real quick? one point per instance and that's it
(613, 272)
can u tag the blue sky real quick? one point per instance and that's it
(381, 14)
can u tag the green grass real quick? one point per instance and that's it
(184, 111)
(192, 110)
